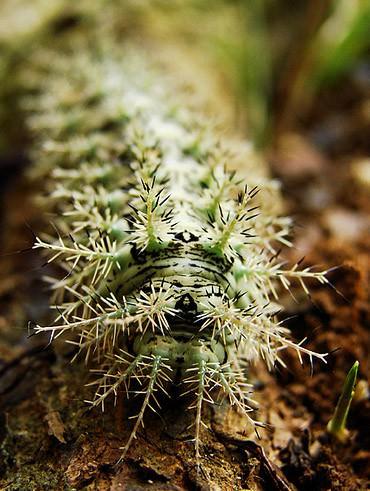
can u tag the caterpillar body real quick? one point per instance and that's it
(172, 274)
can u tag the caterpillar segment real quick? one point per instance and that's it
(171, 272)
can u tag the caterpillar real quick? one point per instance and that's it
(172, 271)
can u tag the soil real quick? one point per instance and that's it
(50, 439)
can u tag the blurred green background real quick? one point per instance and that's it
(274, 57)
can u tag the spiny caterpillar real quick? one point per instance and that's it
(171, 260)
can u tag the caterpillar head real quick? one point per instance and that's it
(181, 350)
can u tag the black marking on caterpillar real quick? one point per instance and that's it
(172, 261)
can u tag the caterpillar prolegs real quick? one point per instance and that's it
(170, 257)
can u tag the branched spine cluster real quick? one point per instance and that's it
(171, 261)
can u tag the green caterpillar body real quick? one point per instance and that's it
(170, 257)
